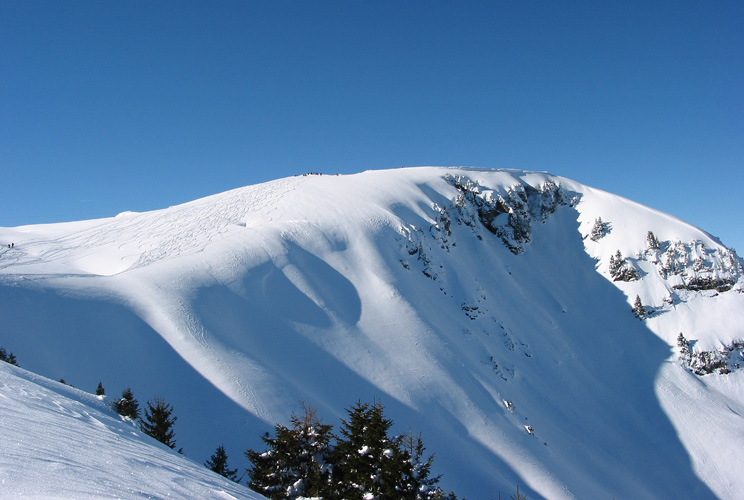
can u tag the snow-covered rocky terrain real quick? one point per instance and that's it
(490, 310)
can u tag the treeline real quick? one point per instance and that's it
(8, 357)
(361, 461)
(158, 417)
(308, 460)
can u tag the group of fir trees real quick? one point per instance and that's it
(158, 419)
(620, 269)
(8, 357)
(362, 461)
(307, 459)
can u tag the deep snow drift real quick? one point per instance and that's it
(488, 310)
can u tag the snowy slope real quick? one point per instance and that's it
(442, 292)
(59, 442)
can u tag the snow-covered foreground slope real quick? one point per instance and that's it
(59, 442)
(475, 304)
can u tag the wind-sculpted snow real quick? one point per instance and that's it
(472, 303)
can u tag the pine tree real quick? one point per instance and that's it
(638, 308)
(598, 230)
(314, 439)
(127, 406)
(683, 344)
(158, 422)
(100, 391)
(684, 350)
(270, 473)
(518, 495)
(8, 357)
(218, 463)
(367, 462)
(616, 264)
(652, 241)
(295, 463)
(620, 270)
(419, 485)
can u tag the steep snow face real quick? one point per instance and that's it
(59, 442)
(486, 309)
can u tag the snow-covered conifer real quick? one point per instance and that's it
(638, 308)
(652, 241)
(620, 269)
(616, 263)
(598, 230)
(418, 482)
(367, 462)
(296, 461)
(684, 346)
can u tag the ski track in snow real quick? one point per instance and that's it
(136, 240)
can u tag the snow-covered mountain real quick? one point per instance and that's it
(490, 310)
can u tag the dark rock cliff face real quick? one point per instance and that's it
(508, 214)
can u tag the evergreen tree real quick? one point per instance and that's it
(598, 230)
(638, 308)
(218, 463)
(367, 462)
(684, 350)
(127, 406)
(616, 264)
(620, 270)
(652, 241)
(518, 495)
(295, 463)
(419, 485)
(8, 357)
(314, 439)
(158, 422)
(100, 391)
(270, 473)
(683, 344)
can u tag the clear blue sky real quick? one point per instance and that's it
(107, 106)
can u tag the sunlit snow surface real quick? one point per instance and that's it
(332, 289)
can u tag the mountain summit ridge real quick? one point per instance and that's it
(483, 307)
